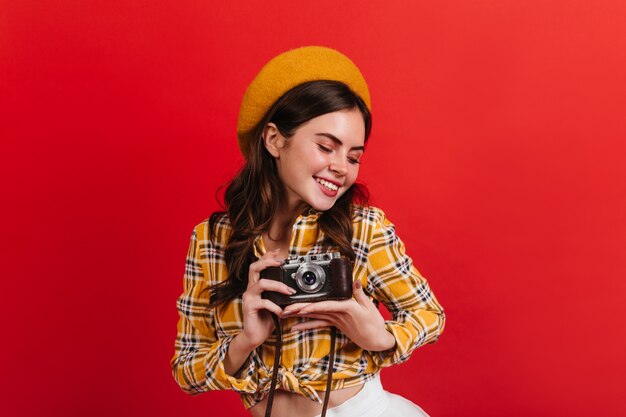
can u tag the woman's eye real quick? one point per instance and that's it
(354, 161)
(324, 148)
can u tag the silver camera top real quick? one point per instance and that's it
(319, 258)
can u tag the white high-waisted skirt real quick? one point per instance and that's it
(374, 401)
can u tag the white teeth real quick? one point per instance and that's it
(327, 184)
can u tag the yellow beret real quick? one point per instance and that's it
(287, 70)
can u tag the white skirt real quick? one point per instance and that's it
(374, 401)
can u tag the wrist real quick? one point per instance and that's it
(238, 352)
(244, 343)
(390, 340)
(386, 341)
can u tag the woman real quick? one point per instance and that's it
(303, 127)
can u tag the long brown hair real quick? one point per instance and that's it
(252, 196)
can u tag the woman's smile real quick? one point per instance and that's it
(328, 188)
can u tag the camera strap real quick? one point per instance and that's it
(277, 358)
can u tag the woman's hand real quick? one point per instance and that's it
(257, 320)
(358, 318)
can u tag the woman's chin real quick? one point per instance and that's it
(322, 205)
(323, 202)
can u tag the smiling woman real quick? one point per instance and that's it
(310, 161)
(303, 127)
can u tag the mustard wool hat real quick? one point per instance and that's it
(287, 70)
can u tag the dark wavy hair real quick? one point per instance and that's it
(253, 195)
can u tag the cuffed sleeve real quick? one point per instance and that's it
(244, 381)
(197, 365)
(392, 279)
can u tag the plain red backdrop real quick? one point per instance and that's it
(497, 150)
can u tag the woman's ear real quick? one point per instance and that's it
(273, 140)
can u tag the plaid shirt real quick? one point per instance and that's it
(386, 273)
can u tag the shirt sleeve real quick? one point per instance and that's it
(393, 280)
(197, 365)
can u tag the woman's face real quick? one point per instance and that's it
(321, 160)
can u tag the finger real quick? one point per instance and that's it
(295, 307)
(331, 306)
(261, 264)
(311, 324)
(359, 294)
(269, 306)
(254, 271)
(331, 318)
(271, 285)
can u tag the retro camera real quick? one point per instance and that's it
(324, 276)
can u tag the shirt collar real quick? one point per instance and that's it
(309, 215)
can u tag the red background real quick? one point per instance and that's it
(497, 150)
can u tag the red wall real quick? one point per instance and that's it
(497, 150)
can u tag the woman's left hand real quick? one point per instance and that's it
(358, 318)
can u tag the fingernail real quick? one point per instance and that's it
(292, 290)
(358, 283)
(287, 313)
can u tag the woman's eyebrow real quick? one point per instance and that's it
(339, 142)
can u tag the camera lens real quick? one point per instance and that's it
(309, 278)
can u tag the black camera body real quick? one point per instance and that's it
(319, 277)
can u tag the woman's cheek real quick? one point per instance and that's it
(354, 175)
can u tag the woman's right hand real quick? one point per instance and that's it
(258, 324)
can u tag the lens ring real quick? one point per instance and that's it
(310, 278)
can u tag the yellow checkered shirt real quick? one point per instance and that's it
(386, 273)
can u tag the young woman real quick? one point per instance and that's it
(303, 128)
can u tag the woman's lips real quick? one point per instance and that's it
(326, 191)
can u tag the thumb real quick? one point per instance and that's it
(359, 295)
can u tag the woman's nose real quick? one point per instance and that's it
(339, 167)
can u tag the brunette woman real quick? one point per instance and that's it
(303, 127)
